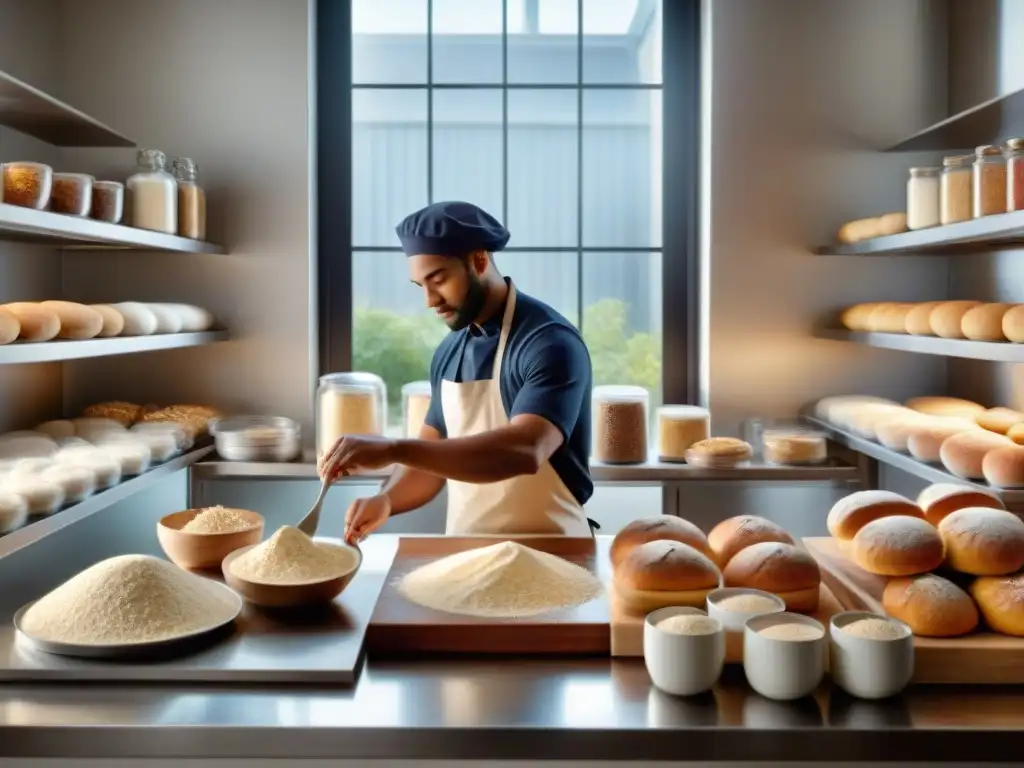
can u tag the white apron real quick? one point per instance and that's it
(528, 504)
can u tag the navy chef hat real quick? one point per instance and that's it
(451, 228)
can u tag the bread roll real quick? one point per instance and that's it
(930, 605)
(985, 322)
(10, 327)
(663, 527)
(193, 319)
(37, 323)
(941, 499)
(113, 321)
(892, 223)
(1004, 467)
(77, 321)
(853, 512)
(1016, 434)
(139, 319)
(663, 573)
(999, 419)
(983, 542)
(167, 320)
(856, 317)
(123, 413)
(898, 546)
(1013, 324)
(1001, 601)
(889, 317)
(782, 569)
(947, 318)
(962, 454)
(946, 406)
(894, 432)
(863, 420)
(919, 322)
(824, 408)
(925, 441)
(858, 229)
(737, 533)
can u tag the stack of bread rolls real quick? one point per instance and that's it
(963, 532)
(974, 320)
(38, 321)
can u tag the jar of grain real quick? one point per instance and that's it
(955, 189)
(191, 199)
(794, 446)
(989, 181)
(1015, 175)
(153, 194)
(72, 194)
(620, 424)
(415, 404)
(27, 184)
(108, 201)
(349, 404)
(923, 198)
(679, 427)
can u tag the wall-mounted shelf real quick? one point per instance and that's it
(1004, 230)
(31, 111)
(27, 225)
(57, 351)
(995, 351)
(986, 123)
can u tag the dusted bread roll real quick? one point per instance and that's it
(889, 317)
(853, 512)
(864, 420)
(898, 546)
(985, 322)
(1004, 467)
(999, 419)
(77, 321)
(963, 454)
(37, 323)
(663, 573)
(1013, 324)
(10, 326)
(1001, 601)
(192, 318)
(925, 441)
(930, 605)
(139, 320)
(946, 406)
(983, 542)
(919, 319)
(167, 320)
(894, 432)
(737, 533)
(941, 499)
(782, 569)
(826, 407)
(113, 321)
(947, 318)
(856, 317)
(663, 527)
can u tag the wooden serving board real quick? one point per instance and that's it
(400, 626)
(978, 658)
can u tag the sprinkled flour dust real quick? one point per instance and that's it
(874, 629)
(505, 580)
(291, 557)
(218, 520)
(125, 600)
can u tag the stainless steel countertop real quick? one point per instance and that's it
(501, 708)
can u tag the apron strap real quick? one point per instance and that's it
(506, 325)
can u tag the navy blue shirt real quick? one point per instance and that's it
(546, 372)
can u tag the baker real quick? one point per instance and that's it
(508, 426)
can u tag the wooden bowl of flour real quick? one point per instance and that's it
(203, 551)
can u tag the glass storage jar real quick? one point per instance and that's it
(955, 185)
(71, 194)
(620, 424)
(679, 427)
(351, 403)
(989, 181)
(27, 184)
(108, 201)
(794, 446)
(153, 194)
(415, 404)
(256, 438)
(1015, 175)
(191, 199)
(923, 198)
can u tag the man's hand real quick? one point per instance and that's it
(355, 452)
(365, 516)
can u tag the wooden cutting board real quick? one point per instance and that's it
(982, 657)
(400, 626)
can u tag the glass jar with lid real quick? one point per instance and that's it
(1015, 175)
(191, 199)
(923, 198)
(620, 424)
(679, 427)
(351, 403)
(989, 181)
(955, 189)
(794, 444)
(153, 193)
(415, 404)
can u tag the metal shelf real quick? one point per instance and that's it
(56, 351)
(1002, 230)
(30, 111)
(37, 528)
(995, 351)
(987, 123)
(930, 472)
(27, 225)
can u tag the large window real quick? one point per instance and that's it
(548, 114)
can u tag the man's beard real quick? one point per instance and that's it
(471, 307)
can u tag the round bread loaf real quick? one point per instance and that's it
(783, 569)
(890, 317)
(898, 546)
(856, 317)
(964, 453)
(77, 321)
(946, 406)
(918, 320)
(663, 527)
(983, 541)
(113, 321)
(10, 327)
(663, 573)
(985, 322)
(941, 499)
(947, 318)
(1001, 601)
(37, 323)
(1004, 467)
(737, 533)
(853, 512)
(999, 419)
(925, 440)
(895, 431)
(1013, 324)
(930, 605)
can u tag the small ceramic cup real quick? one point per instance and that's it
(680, 664)
(784, 668)
(868, 667)
(733, 622)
